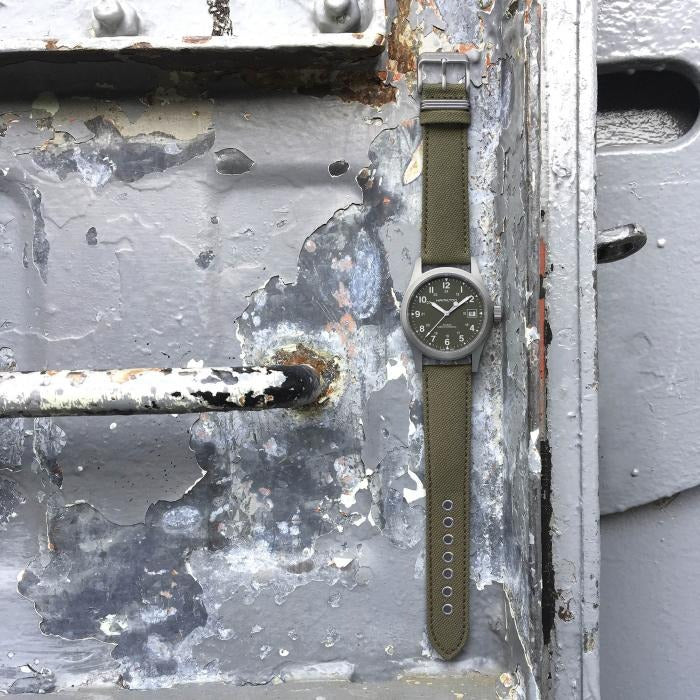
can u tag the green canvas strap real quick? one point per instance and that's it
(447, 399)
(445, 231)
(447, 389)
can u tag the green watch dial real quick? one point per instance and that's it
(446, 313)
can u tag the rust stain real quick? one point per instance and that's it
(76, 378)
(195, 39)
(371, 91)
(401, 42)
(141, 45)
(565, 613)
(122, 376)
(51, 44)
(342, 296)
(464, 48)
(325, 364)
(368, 88)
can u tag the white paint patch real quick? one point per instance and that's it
(531, 335)
(411, 495)
(534, 459)
(396, 368)
(113, 625)
(342, 562)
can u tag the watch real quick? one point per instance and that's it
(447, 314)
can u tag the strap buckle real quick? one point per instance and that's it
(445, 60)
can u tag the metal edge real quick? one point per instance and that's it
(569, 229)
(372, 39)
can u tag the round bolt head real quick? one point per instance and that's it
(109, 13)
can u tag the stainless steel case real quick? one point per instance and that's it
(474, 278)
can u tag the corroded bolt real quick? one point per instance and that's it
(114, 18)
(334, 16)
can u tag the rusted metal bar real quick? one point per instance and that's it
(150, 390)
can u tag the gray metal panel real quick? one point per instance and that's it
(649, 372)
(649, 360)
(224, 215)
(649, 600)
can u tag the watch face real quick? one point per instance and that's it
(446, 313)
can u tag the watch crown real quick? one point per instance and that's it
(497, 312)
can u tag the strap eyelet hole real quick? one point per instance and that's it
(448, 539)
(447, 591)
(448, 521)
(447, 557)
(447, 504)
(447, 573)
(447, 609)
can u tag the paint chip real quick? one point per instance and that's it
(415, 166)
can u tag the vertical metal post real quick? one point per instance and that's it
(568, 167)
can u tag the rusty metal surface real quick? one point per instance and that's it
(236, 216)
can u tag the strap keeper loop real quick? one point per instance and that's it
(459, 117)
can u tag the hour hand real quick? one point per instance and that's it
(439, 308)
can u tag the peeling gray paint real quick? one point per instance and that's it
(107, 154)
(296, 538)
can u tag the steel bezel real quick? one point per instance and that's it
(469, 277)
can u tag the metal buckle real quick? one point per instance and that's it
(444, 60)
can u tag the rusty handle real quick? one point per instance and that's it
(150, 390)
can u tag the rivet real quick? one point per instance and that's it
(447, 573)
(447, 504)
(114, 18)
(448, 521)
(447, 609)
(448, 539)
(337, 15)
(447, 591)
(447, 557)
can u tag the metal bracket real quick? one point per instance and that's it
(620, 242)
